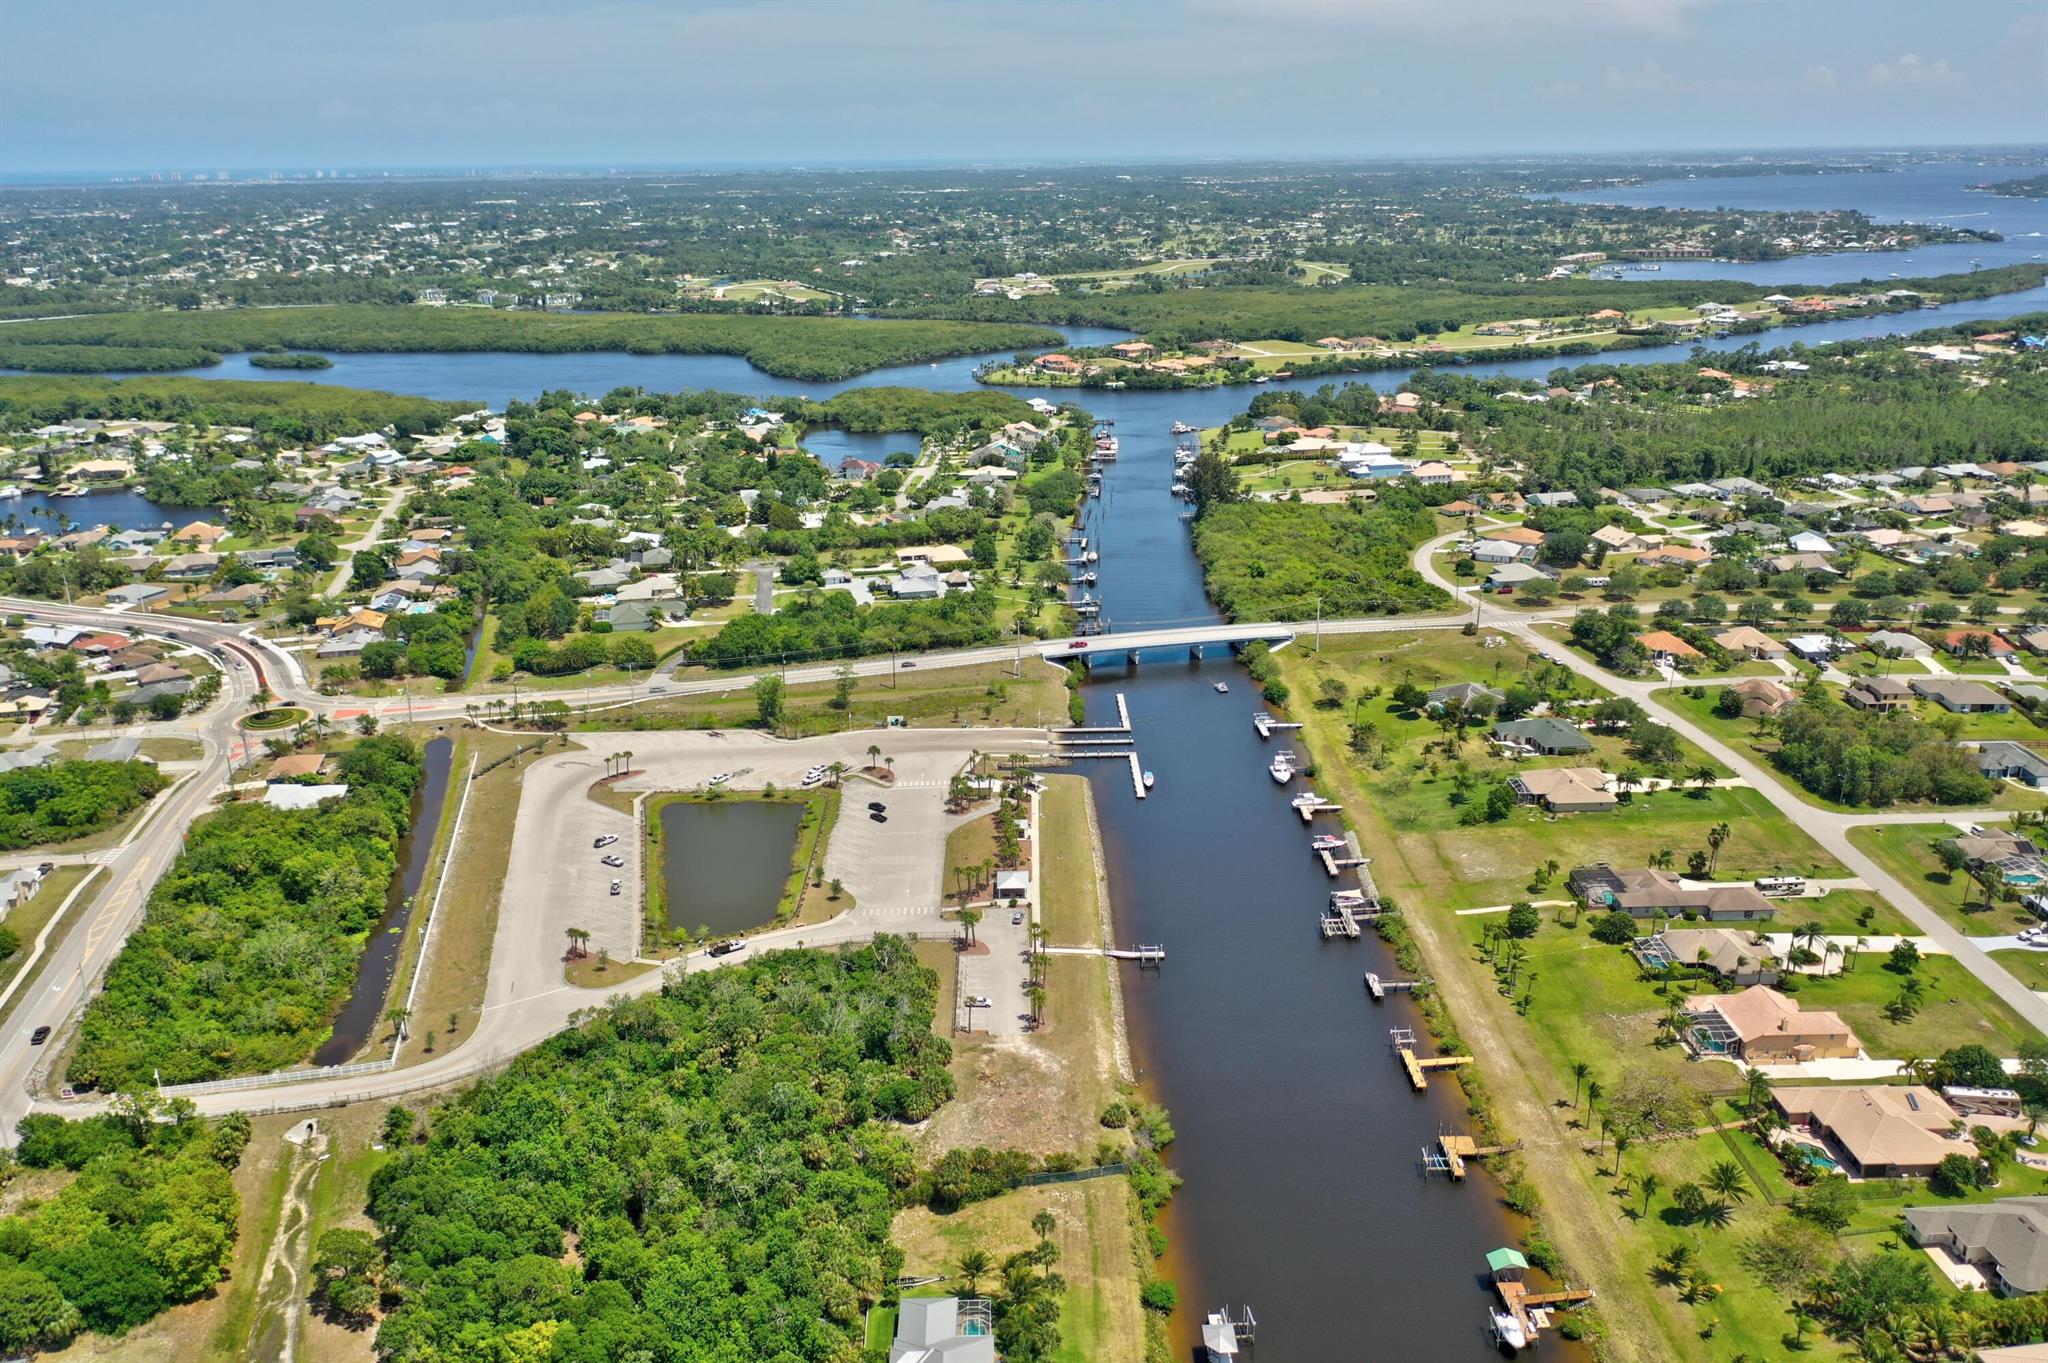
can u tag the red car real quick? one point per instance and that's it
(1078, 643)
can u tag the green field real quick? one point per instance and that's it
(1907, 851)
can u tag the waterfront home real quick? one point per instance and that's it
(1651, 893)
(1960, 696)
(2002, 1245)
(943, 1330)
(1874, 1130)
(1751, 642)
(2006, 761)
(1879, 693)
(1564, 790)
(1760, 1026)
(1550, 737)
(1739, 957)
(1665, 648)
(1761, 696)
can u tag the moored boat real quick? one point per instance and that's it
(1148, 780)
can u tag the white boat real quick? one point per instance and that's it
(1306, 798)
(10, 491)
(1282, 768)
(1182, 428)
(1148, 780)
(1507, 1331)
(1222, 688)
(1328, 842)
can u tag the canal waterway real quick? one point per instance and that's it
(358, 1017)
(1298, 1133)
(724, 862)
(121, 508)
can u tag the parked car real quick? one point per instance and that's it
(878, 818)
(614, 860)
(727, 947)
(980, 1001)
(617, 886)
(1016, 920)
(721, 778)
(606, 840)
(877, 807)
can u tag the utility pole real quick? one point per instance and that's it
(1319, 626)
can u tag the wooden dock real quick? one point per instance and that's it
(1309, 811)
(1454, 1151)
(1402, 1040)
(1379, 988)
(1352, 857)
(1531, 1310)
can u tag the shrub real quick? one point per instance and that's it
(1159, 1295)
(1615, 928)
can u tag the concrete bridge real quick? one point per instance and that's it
(1193, 638)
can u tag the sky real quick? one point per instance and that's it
(360, 84)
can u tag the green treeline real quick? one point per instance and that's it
(1857, 757)
(266, 359)
(834, 625)
(724, 1152)
(794, 347)
(910, 409)
(70, 799)
(1392, 313)
(295, 411)
(1277, 560)
(250, 940)
(148, 1222)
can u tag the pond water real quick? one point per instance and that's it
(359, 1016)
(724, 864)
(122, 508)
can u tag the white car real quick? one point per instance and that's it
(605, 840)
(617, 886)
(613, 860)
(720, 779)
(814, 775)
(980, 1001)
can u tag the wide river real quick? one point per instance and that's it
(1298, 1134)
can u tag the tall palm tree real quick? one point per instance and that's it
(972, 1266)
(1725, 1180)
(1648, 1185)
(1716, 836)
(1756, 1093)
(1581, 1072)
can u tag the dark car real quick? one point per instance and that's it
(39, 1036)
(877, 807)
(727, 947)
(879, 818)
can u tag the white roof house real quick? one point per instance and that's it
(287, 796)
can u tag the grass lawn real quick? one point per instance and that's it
(1907, 851)
(971, 844)
(1843, 911)
(1956, 1009)
(29, 920)
(987, 695)
(1070, 908)
(2030, 968)
(1100, 1319)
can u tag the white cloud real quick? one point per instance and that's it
(1821, 78)
(1913, 69)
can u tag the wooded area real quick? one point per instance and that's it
(1278, 560)
(71, 799)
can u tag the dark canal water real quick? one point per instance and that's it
(358, 1019)
(724, 864)
(1298, 1133)
(120, 508)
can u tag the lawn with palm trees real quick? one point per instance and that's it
(1914, 853)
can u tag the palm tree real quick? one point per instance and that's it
(1622, 1141)
(577, 937)
(397, 1015)
(972, 1266)
(1593, 1092)
(968, 919)
(1756, 1095)
(1716, 836)
(874, 753)
(1648, 1185)
(1035, 992)
(1581, 1071)
(1706, 777)
(1725, 1180)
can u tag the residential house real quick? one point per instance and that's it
(19, 886)
(1897, 641)
(1961, 641)
(1760, 1026)
(2013, 856)
(201, 533)
(1748, 641)
(935, 555)
(269, 560)
(2005, 1242)
(1514, 577)
(943, 1330)
(1550, 737)
(1471, 695)
(298, 766)
(1761, 696)
(190, 567)
(141, 595)
(1564, 790)
(291, 795)
(248, 596)
(1818, 649)
(1807, 542)
(1960, 696)
(1665, 648)
(1651, 893)
(917, 582)
(1521, 535)
(1618, 540)
(2006, 761)
(1501, 552)
(1877, 1130)
(1739, 957)
(626, 616)
(1879, 693)
(1687, 556)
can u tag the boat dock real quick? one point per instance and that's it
(1121, 753)
(1350, 857)
(1531, 1310)
(1080, 733)
(1450, 1153)
(1310, 808)
(1379, 988)
(1402, 1041)
(1268, 726)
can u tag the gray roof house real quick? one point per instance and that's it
(2013, 762)
(1908, 645)
(1547, 736)
(629, 615)
(139, 594)
(2007, 1240)
(943, 1330)
(1963, 697)
(1467, 694)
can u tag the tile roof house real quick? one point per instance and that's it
(1763, 1027)
(1651, 893)
(1564, 790)
(1884, 1131)
(1619, 540)
(1550, 737)
(2006, 1240)
(1749, 640)
(1676, 555)
(1517, 534)
(1957, 639)
(1738, 957)
(1665, 647)
(1962, 697)
(1761, 696)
